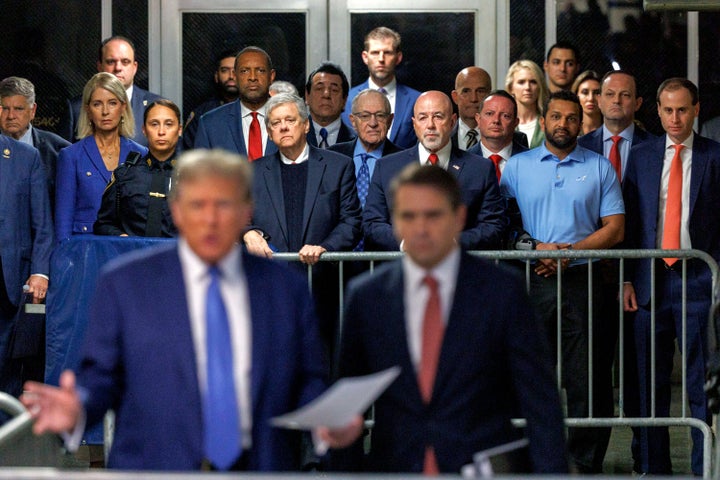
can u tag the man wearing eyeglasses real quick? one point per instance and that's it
(434, 120)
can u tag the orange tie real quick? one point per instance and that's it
(673, 206)
(615, 156)
(496, 159)
(255, 139)
(433, 159)
(433, 330)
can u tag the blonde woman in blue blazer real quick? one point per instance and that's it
(105, 127)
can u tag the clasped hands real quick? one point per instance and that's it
(547, 267)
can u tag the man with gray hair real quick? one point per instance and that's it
(305, 201)
(17, 98)
(281, 86)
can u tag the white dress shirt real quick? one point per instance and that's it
(443, 155)
(505, 153)
(246, 114)
(416, 294)
(686, 157)
(333, 130)
(390, 93)
(234, 290)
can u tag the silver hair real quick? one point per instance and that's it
(281, 86)
(12, 86)
(199, 163)
(282, 99)
(370, 91)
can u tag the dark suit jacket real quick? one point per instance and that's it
(494, 366)
(486, 220)
(345, 134)
(641, 190)
(140, 99)
(158, 403)
(516, 148)
(221, 128)
(26, 236)
(594, 141)
(402, 133)
(81, 180)
(332, 210)
(348, 148)
(49, 146)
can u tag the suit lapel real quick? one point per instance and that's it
(316, 170)
(6, 175)
(697, 169)
(273, 184)
(234, 126)
(93, 153)
(456, 164)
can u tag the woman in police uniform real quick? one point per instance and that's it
(135, 201)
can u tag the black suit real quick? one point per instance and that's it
(494, 366)
(49, 146)
(345, 134)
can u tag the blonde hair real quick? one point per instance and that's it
(539, 77)
(109, 82)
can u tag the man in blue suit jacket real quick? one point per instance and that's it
(229, 127)
(161, 404)
(649, 226)
(382, 54)
(117, 56)
(493, 362)
(325, 93)
(434, 120)
(26, 241)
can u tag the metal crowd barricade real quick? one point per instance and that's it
(529, 257)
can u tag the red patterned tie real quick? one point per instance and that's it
(433, 330)
(255, 139)
(496, 159)
(673, 206)
(433, 159)
(615, 156)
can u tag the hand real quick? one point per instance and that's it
(341, 437)
(310, 254)
(547, 267)
(256, 244)
(55, 409)
(38, 287)
(629, 298)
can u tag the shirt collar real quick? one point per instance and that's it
(443, 155)
(688, 141)
(359, 149)
(245, 112)
(576, 155)
(444, 272)
(129, 92)
(390, 88)
(626, 134)
(230, 265)
(301, 158)
(27, 136)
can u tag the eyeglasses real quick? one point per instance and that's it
(366, 116)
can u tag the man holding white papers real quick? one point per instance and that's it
(461, 329)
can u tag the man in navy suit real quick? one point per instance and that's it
(162, 409)
(238, 126)
(26, 241)
(116, 55)
(17, 98)
(382, 53)
(496, 120)
(434, 120)
(472, 85)
(672, 208)
(489, 362)
(326, 91)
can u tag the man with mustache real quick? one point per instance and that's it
(568, 198)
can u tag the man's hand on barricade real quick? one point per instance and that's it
(547, 267)
(256, 244)
(310, 254)
(55, 409)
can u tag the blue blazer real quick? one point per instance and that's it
(594, 141)
(331, 213)
(402, 133)
(138, 359)
(49, 146)
(346, 134)
(641, 190)
(26, 236)
(494, 366)
(486, 221)
(221, 128)
(140, 99)
(81, 180)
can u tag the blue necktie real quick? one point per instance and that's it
(221, 415)
(363, 184)
(323, 135)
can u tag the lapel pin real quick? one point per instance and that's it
(6, 153)
(144, 103)
(456, 167)
(89, 174)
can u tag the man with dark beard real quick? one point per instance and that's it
(568, 198)
(226, 91)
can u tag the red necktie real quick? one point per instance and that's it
(673, 206)
(255, 139)
(615, 156)
(433, 330)
(496, 159)
(433, 159)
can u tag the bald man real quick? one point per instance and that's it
(434, 121)
(472, 85)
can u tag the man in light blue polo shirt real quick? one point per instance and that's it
(568, 198)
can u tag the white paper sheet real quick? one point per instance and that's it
(335, 408)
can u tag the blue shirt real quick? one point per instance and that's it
(371, 159)
(562, 201)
